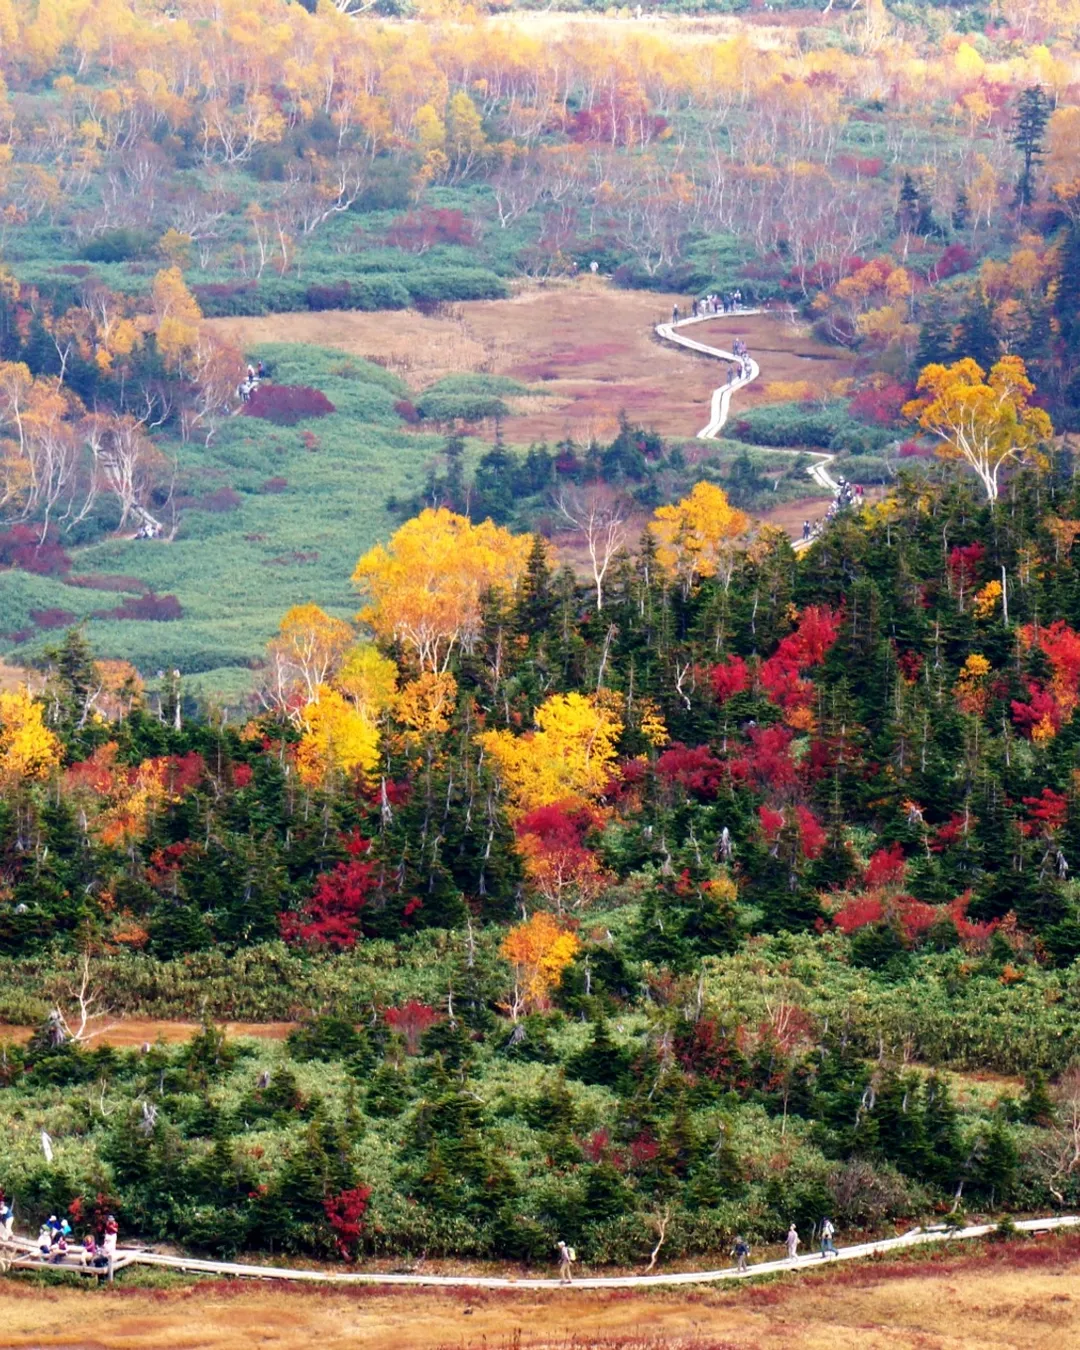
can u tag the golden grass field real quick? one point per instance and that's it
(1023, 1294)
(589, 346)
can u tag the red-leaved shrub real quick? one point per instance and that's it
(418, 231)
(158, 608)
(879, 406)
(886, 867)
(412, 1019)
(1047, 812)
(696, 770)
(345, 1215)
(287, 404)
(729, 677)
(21, 546)
(956, 258)
(52, 618)
(331, 917)
(406, 410)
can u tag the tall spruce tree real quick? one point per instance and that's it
(1032, 115)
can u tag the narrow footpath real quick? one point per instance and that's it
(721, 396)
(19, 1254)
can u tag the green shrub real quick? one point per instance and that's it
(118, 245)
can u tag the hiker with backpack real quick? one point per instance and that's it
(740, 1252)
(567, 1256)
(828, 1248)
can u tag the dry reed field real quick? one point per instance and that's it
(589, 346)
(1020, 1294)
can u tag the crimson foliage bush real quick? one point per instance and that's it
(21, 546)
(287, 404)
(159, 608)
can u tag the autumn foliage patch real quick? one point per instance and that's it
(331, 916)
(285, 404)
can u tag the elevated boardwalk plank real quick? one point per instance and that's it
(129, 1256)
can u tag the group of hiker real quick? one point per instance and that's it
(740, 1251)
(741, 353)
(713, 303)
(727, 303)
(846, 495)
(255, 375)
(56, 1243)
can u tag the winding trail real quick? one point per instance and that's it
(721, 398)
(236, 1269)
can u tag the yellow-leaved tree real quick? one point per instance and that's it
(337, 740)
(309, 648)
(987, 421)
(426, 704)
(176, 318)
(570, 754)
(697, 537)
(368, 679)
(539, 950)
(425, 586)
(28, 749)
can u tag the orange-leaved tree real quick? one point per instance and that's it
(559, 866)
(987, 421)
(424, 588)
(116, 801)
(570, 754)
(696, 537)
(539, 950)
(425, 705)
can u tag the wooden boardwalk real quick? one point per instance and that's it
(22, 1254)
(131, 1256)
(721, 400)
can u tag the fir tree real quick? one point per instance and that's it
(1032, 114)
(907, 210)
(535, 600)
(975, 336)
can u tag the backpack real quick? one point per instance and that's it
(571, 1253)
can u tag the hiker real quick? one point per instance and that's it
(251, 372)
(740, 1251)
(567, 1256)
(261, 370)
(827, 1246)
(107, 1251)
(730, 374)
(792, 1242)
(89, 1250)
(674, 313)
